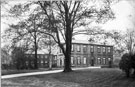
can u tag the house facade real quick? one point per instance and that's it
(43, 60)
(88, 54)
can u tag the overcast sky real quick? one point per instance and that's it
(125, 18)
(124, 12)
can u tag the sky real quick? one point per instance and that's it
(125, 18)
(124, 12)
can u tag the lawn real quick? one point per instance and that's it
(79, 78)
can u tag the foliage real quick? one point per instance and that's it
(127, 63)
(18, 56)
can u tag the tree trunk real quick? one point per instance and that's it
(67, 60)
(35, 60)
(67, 66)
(50, 61)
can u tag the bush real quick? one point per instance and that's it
(127, 63)
(133, 62)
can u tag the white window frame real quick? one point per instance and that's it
(84, 48)
(91, 48)
(84, 60)
(109, 49)
(78, 48)
(99, 61)
(103, 49)
(72, 59)
(42, 61)
(104, 61)
(72, 48)
(99, 49)
(78, 60)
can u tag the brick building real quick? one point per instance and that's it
(83, 53)
(43, 60)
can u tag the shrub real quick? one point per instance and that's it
(125, 64)
(133, 62)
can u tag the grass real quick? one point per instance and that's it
(80, 78)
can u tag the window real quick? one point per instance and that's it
(103, 49)
(42, 56)
(92, 48)
(41, 61)
(72, 60)
(72, 48)
(38, 56)
(27, 62)
(84, 60)
(104, 62)
(78, 48)
(46, 56)
(109, 49)
(99, 50)
(109, 59)
(84, 48)
(79, 60)
(99, 61)
(45, 61)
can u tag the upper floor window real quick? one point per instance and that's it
(109, 49)
(72, 49)
(99, 49)
(78, 48)
(46, 56)
(84, 48)
(38, 56)
(42, 56)
(92, 48)
(72, 60)
(103, 49)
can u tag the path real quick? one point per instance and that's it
(41, 72)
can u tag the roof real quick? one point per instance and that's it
(87, 42)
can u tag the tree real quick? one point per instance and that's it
(18, 56)
(71, 14)
(64, 18)
(5, 57)
(26, 33)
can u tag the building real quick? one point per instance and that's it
(43, 60)
(84, 53)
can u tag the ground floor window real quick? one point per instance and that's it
(78, 60)
(104, 61)
(99, 61)
(84, 60)
(72, 60)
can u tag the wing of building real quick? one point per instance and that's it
(84, 53)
